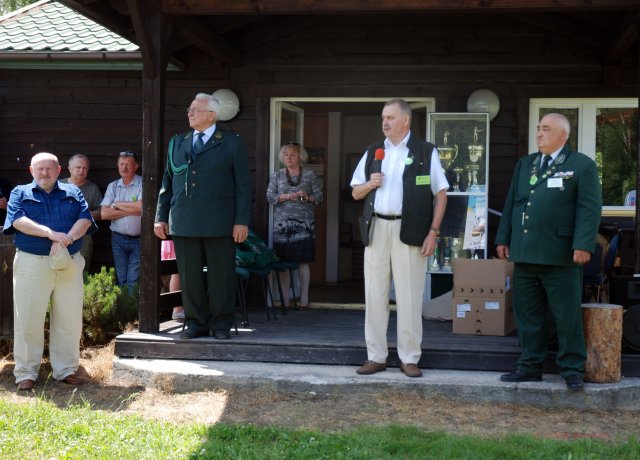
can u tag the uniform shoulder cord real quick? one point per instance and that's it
(174, 169)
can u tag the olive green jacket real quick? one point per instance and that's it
(545, 219)
(208, 195)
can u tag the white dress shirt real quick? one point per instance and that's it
(389, 196)
(207, 134)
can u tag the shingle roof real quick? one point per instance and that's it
(52, 27)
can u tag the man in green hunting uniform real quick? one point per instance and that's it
(205, 204)
(548, 228)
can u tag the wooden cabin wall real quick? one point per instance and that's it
(435, 55)
(97, 113)
(445, 56)
(66, 112)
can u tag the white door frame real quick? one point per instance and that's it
(331, 195)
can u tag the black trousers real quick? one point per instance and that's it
(208, 298)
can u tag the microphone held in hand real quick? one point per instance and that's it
(378, 157)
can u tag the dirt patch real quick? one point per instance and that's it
(326, 412)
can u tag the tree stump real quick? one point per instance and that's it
(603, 335)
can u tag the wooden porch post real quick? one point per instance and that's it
(152, 32)
(261, 224)
(637, 221)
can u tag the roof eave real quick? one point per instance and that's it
(88, 60)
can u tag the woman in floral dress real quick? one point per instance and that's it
(294, 192)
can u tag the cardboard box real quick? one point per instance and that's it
(482, 297)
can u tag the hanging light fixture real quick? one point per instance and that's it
(229, 104)
(484, 100)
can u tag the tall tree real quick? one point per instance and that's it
(6, 6)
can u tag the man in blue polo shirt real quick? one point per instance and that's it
(48, 219)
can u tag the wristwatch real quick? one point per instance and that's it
(113, 205)
(436, 230)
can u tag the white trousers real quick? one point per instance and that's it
(386, 254)
(34, 284)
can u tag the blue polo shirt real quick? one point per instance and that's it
(58, 210)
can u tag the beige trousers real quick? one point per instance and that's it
(384, 255)
(34, 284)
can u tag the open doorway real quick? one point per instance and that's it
(335, 133)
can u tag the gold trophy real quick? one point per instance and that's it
(475, 154)
(446, 252)
(458, 170)
(475, 150)
(435, 265)
(456, 247)
(472, 176)
(447, 154)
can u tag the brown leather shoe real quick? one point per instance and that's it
(72, 379)
(26, 385)
(82, 374)
(410, 370)
(371, 367)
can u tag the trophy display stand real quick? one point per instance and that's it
(462, 140)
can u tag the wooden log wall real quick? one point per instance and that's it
(437, 55)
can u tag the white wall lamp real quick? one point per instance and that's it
(484, 101)
(229, 104)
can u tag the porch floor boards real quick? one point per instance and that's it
(332, 336)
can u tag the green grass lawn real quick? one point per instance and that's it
(41, 430)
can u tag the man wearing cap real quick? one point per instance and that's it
(122, 205)
(205, 204)
(49, 220)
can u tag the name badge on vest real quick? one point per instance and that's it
(423, 180)
(554, 182)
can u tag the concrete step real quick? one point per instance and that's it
(472, 386)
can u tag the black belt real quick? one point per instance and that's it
(129, 237)
(382, 216)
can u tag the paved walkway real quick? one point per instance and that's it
(473, 386)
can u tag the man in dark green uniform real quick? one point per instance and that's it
(204, 203)
(548, 228)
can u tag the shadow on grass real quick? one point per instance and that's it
(98, 395)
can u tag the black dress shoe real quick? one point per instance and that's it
(221, 334)
(193, 334)
(520, 376)
(574, 382)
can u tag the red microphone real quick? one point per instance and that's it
(378, 156)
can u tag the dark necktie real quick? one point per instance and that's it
(545, 165)
(199, 144)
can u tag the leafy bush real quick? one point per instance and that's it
(107, 307)
(127, 306)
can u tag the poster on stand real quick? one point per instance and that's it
(475, 231)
